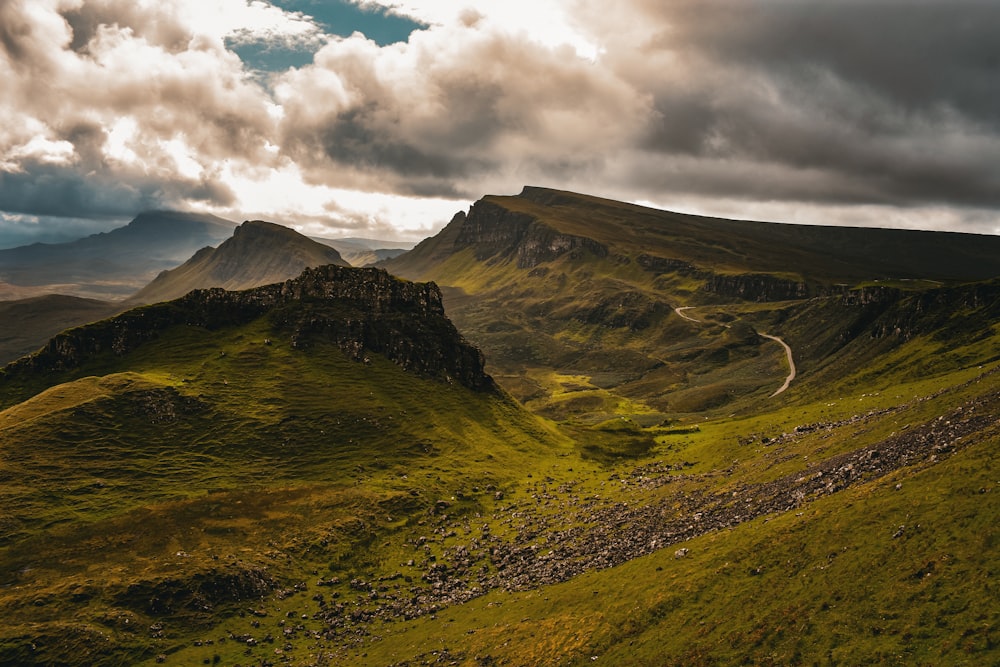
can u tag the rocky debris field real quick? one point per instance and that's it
(557, 532)
(552, 531)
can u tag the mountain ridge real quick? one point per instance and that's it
(258, 253)
(555, 286)
(814, 253)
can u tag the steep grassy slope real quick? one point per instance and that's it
(258, 253)
(159, 484)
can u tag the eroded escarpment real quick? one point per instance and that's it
(498, 232)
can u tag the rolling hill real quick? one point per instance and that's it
(113, 264)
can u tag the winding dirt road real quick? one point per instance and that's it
(791, 363)
(788, 350)
(680, 311)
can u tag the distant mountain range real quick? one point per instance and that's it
(143, 263)
(364, 252)
(114, 264)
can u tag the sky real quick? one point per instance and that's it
(382, 118)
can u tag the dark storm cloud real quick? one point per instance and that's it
(880, 102)
(359, 137)
(918, 54)
(54, 190)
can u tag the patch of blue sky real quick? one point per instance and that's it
(334, 17)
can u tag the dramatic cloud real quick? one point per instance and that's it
(849, 113)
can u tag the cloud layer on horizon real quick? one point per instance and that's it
(848, 113)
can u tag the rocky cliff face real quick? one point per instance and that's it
(494, 231)
(756, 287)
(949, 313)
(362, 311)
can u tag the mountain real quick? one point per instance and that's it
(362, 252)
(31, 322)
(113, 264)
(580, 303)
(258, 253)
(541, 224)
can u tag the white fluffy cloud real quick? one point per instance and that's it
(846, 113)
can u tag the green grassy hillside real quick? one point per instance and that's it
(210, 468)
(854, 529)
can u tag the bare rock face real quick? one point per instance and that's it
(757, 287)
(497, 232)
(362, 311)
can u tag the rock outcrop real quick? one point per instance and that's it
(362, 311)
(498, 232)
(949, 313)
(757, 287)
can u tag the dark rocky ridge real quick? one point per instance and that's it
(362, 311)
(950, 313)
